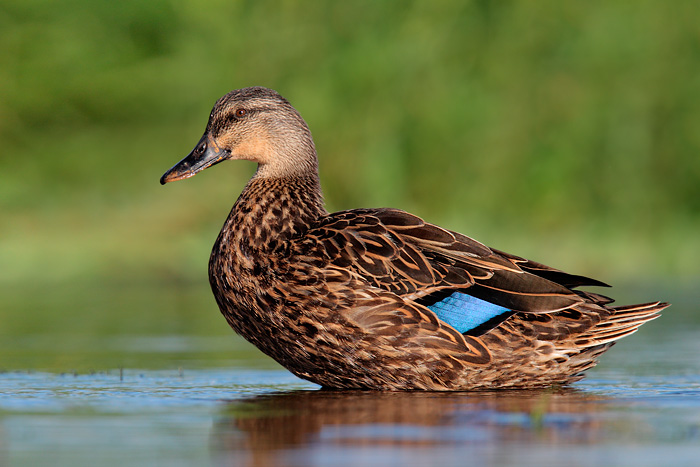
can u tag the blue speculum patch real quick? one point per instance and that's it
(466, 313)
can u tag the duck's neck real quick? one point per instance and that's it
(268, 213)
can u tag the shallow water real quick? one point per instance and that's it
(220, 403)
(254, 417)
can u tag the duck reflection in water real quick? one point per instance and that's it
(269, 429)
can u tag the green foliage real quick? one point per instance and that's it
(562, 131)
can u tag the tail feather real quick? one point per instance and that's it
(622, 322)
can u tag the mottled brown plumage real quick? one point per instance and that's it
(343, 299)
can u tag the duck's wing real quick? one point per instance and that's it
(399, 252)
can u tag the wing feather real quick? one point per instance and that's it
(399, 252)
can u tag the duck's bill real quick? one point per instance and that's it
(204, 155)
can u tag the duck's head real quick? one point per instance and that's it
(255, 124)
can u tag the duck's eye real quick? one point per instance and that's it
(241, 113)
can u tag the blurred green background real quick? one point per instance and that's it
(565, 132)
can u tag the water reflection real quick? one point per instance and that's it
(292, 428)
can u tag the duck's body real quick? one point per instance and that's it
(377, 298)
